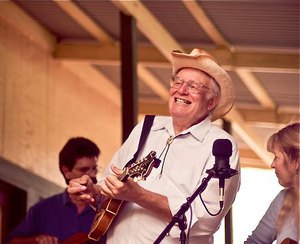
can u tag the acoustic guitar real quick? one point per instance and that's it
(110, 207)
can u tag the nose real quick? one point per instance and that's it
(92, 172)
(184, 88)
(273, 164)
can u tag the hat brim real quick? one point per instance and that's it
(207, 64)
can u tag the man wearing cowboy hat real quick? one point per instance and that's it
(200, 92)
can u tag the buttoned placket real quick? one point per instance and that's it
(137, 215)
(166, 148)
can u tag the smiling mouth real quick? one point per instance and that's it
(182, 101)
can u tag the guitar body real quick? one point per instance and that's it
(110, 207)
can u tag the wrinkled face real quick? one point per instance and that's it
(191, 107)
(285, 171)
(83, 166)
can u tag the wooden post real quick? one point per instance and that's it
(228, 217)
(128, 73)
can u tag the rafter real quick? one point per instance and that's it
(151, 56)
(210, 29)
(150, 26)
(87, 23)
(249, 137)
(154, 83)
(84, 20)
(16, 17)
(250, 116)
(97, 80)
(255, 87)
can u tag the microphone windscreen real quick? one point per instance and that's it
(222, 148)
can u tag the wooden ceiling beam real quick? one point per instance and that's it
(149, 26)
(250, 116)
(279, 116)
(255, 87)
(30, 28)
(97, 80)
(88, 24)
(250, 138)
(210, 29)
(154, 83)
(77, 14)
(151, 56)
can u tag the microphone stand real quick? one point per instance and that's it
(179, 217)
(218, 171)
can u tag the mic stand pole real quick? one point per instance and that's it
(179, 217)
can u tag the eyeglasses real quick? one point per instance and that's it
(194, 87)
(86, 170)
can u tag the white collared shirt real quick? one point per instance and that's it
(184, 167)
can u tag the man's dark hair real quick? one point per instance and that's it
(76, 148)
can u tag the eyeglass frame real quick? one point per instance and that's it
(188, 83)
(88, 171)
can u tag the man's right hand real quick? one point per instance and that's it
(46, 239)
(82, 190)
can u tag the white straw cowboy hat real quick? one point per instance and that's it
(200, 59)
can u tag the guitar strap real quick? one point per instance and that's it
(144, 134)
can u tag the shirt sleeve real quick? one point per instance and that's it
(26, 228)
(265, 232)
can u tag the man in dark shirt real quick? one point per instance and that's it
(57, 219)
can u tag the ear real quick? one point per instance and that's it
(295, 166)
(65, 171)
(213, 102)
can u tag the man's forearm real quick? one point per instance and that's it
(155, 203)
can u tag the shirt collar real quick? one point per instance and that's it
(198, 131)
(164, 124)
(66, 198)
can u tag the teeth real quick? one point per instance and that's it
(177, 100)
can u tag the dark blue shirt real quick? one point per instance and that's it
(56, 216)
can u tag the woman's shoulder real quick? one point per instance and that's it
(278, 200)
(281, 195)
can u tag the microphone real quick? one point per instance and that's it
(222, 150)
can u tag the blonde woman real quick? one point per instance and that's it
(281, 221)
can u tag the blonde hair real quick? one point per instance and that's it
(286, 140)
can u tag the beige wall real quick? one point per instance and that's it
(43, 104)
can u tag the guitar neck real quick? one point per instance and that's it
(124, 176)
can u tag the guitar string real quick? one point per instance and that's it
(167, 146)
